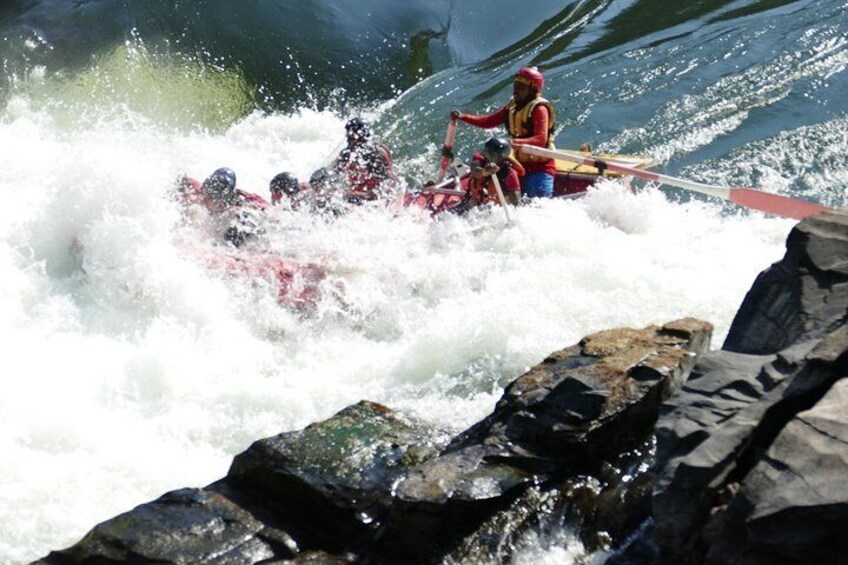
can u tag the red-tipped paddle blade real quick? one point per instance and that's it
(775, 203)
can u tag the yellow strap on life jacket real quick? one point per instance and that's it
(520, 121)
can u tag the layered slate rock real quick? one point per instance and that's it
(802, 297)
(727, 490)
(793, 505)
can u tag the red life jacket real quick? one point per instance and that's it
(244, 198)
(482, 190)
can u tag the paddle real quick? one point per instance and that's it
(751, 198)
(447, 149)
(440, 188)
(497, 184)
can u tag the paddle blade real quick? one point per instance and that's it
(776, 204)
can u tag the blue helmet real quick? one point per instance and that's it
(220, 186)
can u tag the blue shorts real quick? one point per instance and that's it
(538, 185)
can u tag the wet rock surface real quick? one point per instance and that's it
(750, 454)
(640, 442)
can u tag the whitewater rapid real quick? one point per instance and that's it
(129, 370)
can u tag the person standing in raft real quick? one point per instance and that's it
(366, 164)
(235, 213)
(494, 161)
(530, 120)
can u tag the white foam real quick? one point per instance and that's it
(128, 370)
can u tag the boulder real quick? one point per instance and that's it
(802, 297)
(578, 409)
(593, 400)
(336, 475)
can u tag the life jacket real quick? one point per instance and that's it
(482, 190)
(244, 198)
(520, 123)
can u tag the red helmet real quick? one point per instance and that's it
(531, 77)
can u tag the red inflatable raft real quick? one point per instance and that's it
(571, 181)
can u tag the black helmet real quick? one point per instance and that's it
(322, 179)
(220, 186)
(497, 149)
(358, 128)
(284, 183)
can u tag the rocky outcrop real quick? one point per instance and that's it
(793, 504)
(729, 487)
(372, 485)
(641, 441)
(581, 407)
(337, 475)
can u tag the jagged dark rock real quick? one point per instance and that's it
(578, 408)
(718, 497)
(336, 474)
(802, 297)
(793, 505)
(592, 400)
(183, 526)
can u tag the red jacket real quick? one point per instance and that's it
(244, 198)
(482, 190)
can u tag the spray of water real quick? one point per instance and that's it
(130, 369)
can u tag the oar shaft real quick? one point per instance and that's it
(447, 149)
(449, 191)
(497, 184)
(439, 185)
(751, 198)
